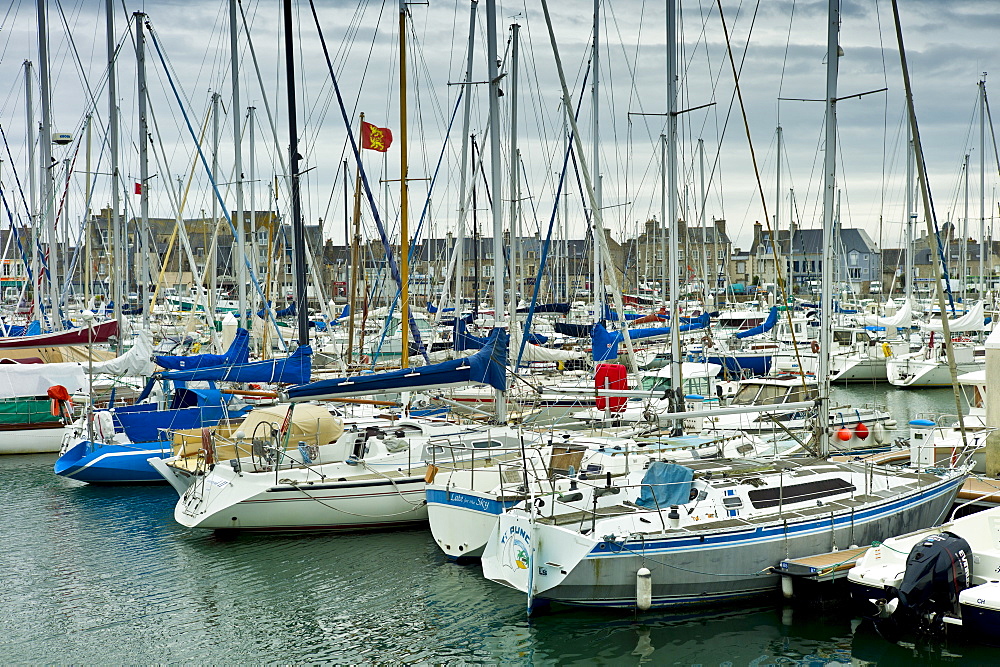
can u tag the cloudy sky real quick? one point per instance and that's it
(779, 46)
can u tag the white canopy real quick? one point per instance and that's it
(22, 380)
(536, 352)
(973, 320)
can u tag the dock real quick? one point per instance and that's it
(831, 565)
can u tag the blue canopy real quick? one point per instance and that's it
(464, 340)
(767, 325)
(431, 308)
(284, 312)
(613, 316)
(487, 366)
(238, 353)
(604, 343)
(574, 330)
(668, 484)
(293, 369)
(562, 308)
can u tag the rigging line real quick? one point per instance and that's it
(548, 236)
(784, 61)
(208, 170)
(393, 265)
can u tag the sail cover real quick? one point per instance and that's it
(487, 366)
(293, 369)
(765, 326)
(604, 343)
(19, 380)
(137, 361)
(973, 320)
(903, 319)
(536, 353)
(238, 353)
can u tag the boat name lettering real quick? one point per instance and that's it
(482, 504)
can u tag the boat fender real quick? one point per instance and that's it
(432, 471)
(643, 589)
(845, 434)
(878, 432)
(787, 587)
(814, 346)
(886, 350)
(861, 431)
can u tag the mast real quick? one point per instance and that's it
(298, 230)
(910, 214)
(781, 289)
(982, 188)
(115, 232)
(706, 291)
(404, 228)
(213, 259)
(829, 185)
(241, 247)
(463, 210)
(46, 165)
(598, 285)
(140, 45)
(252, 243)
(495, 184)
(517, 258)
(963, 247)
(676, 380)
(33, 174)
(355, 260)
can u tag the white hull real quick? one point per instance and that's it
(32, 440)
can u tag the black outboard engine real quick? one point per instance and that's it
(937, 570)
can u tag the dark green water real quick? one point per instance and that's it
(104, 575)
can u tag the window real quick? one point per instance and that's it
(694, 255)
(721, 255)
(852, 258)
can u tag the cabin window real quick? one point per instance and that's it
(697, 386)
(772, 395)
(746, 395)
(798, 493)
(732, 502)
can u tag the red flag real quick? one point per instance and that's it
(375, 138)
(138, 188)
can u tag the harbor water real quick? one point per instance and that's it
(104, 575)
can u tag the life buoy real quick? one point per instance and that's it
(886, 350)
(814, 346)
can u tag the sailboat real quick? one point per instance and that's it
(712, 531)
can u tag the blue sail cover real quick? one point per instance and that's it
(293, 369)
(613, 316)
(431, 308)
(238, 353)
(561, 308)
(487, 366)
(765, 326)
(466, 341)
(604, 343)
(573, 330)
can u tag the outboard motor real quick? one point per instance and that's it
(937, 570)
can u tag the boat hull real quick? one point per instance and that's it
(343, 505)
(111, 464)
(32, 439)
(688, 568)
(462, 521)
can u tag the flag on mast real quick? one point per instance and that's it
(138, 188)
(375, 138)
